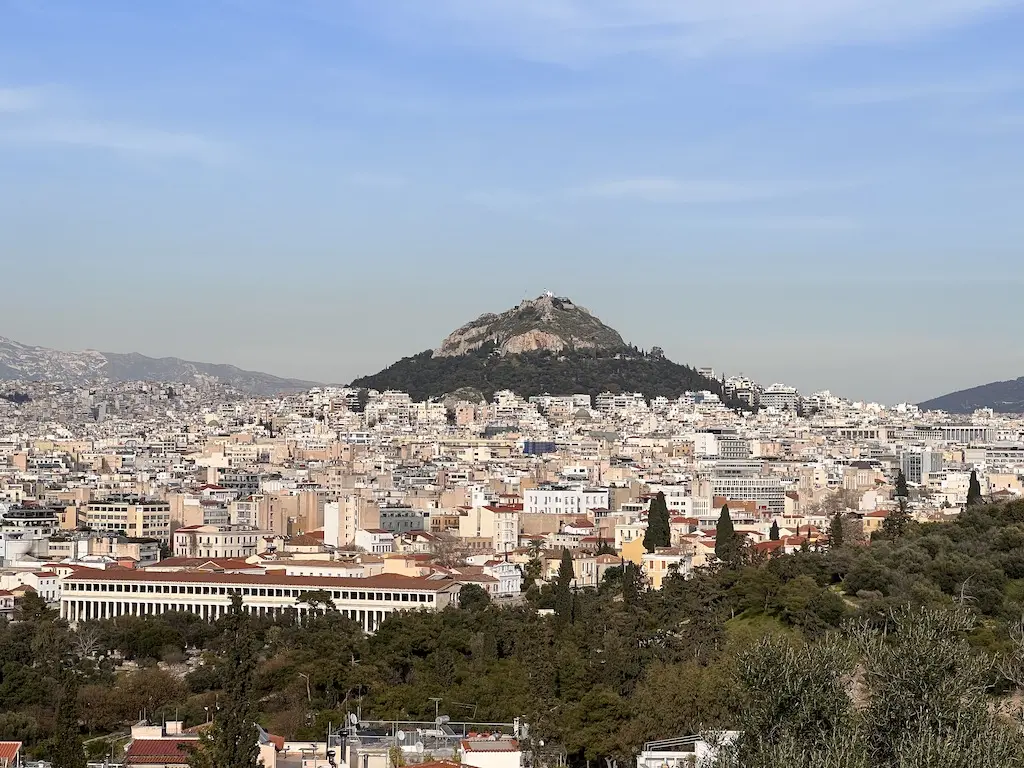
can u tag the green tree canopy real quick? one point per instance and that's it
(728, 544)
(835, 532)
(974, 489)
(658, 533)
(67, 750)
(473, 597)
(901, 486)
(232, 741)
(563, 588)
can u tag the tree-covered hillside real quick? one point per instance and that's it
(905, 652)
(534, 373)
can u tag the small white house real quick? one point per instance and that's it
(684, 751)
(376, 541)
(491, 752)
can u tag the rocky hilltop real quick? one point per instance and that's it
(550, 323)
(547, 345)
(19, 362)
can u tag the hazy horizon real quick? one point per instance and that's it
(822, 194)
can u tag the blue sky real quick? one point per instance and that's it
(827, 193)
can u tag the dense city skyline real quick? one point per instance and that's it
(820, 196)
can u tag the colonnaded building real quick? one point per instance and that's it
(368, 601)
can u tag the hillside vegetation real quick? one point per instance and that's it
(542, 372)
(900, 653)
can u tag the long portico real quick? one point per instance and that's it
(367, 601)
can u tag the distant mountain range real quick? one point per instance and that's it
(1000, 396)
(545, 345)
(23, 362)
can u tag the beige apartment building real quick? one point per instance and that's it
(142, 551)
(133, 516)
(499, 525)
(218, 541)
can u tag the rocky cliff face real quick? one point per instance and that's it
(545, 323)
(24, 362)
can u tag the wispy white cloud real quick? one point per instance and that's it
(372, 180)
(788, 223)
(580, 31)
(978, 87)
(117, 137)
(505, 199)
(20, 99)
(659, 189)
(35, 115)
(991, 124)
(665, 190)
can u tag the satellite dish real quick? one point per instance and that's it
(401, 735)
(419, 747)
(352, 718)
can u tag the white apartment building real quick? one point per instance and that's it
(244, 512)
(218, 541)
(780, 397)
(32, 522)
(45, 583)
(376, 541)
(563, 500)
(606, 402)
(342, 520)
(133, 516)
(678, 498)
(369, 601)
(509, 578)
(744, 482)
(627, 532)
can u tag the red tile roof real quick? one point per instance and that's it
(205, 563)
(304, 540)
(382, 581)
(9, 751)
(486, 745)
(159, 752)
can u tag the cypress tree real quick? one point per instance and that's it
(901, 486)
(632, 584)
(658, 533)
(835, 533)
(773, 534)
(974, 489)
(563, 588)
(232, 741)
(68, 750)
(725, 537)
(603, 547)
(895, 525)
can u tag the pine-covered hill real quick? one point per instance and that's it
(1000, 396)
(589, 372)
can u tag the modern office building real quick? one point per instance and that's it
(918, 463)
(742, 480)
